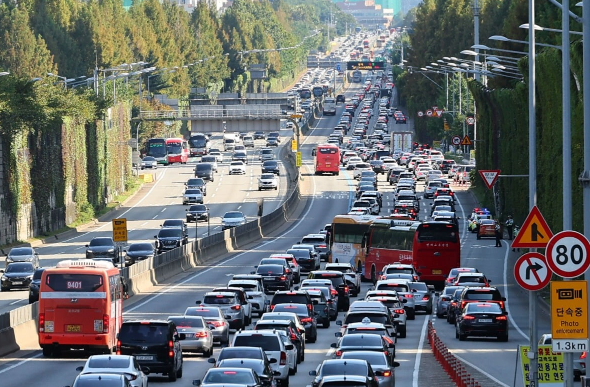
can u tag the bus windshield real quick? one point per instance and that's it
(156, 147)
(198, 141)
(174, 147)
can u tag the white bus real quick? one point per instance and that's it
(329, 106)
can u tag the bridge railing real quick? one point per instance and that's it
(253, 111)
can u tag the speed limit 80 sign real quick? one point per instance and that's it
(567, 254)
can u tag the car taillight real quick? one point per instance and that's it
(283, 278)
(501, 304)
(338, 353)
(201, 334)
(425, 298)
(41, 322)
(322, 246)
(105, 323)
(399, 311)
(583, 355)
(287, 270)
(293, 337)
(463, 303)
(170, 348)
(346, 289)
(334, 292)
(272, 307)
(306, 319)
(236, 307)
(502, 318)
(389, 341)
(470, 317)
(386, 352)
(387, 373)
(283, 358)
(118, 347)
(218, 323)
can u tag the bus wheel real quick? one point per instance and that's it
(47, 352)
(373, 275)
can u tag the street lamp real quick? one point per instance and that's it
(526, 26)
(505, 39)
(60, 77)
(3, 73)
(484, 47)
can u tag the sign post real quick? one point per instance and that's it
(120, 236)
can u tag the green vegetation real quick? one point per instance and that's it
(65, 152)
(445, 28)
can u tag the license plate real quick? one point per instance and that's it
(17, 282)
(268, 278)
(144, 357)
(73, 328)
(437, 272)
(485, 320)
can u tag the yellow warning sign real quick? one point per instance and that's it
(534, 233)
(294, 145)
(120, 230)
(298, 159)
(466, 141)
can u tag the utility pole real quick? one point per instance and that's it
(476, 32)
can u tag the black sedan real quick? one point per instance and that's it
(259, 136)
(34, 286)
(102, 247)
(138, 252)
(363, 342)
(271, 166)
(272, 141)
(17, 275)
(482, 319)
(306, 316)
(348, 367)
(196, 213)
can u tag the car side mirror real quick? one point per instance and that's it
(197, 382)
(198, 302)
(334, 345)
(255, 266)
(339, 322)
(395, 364)
(391, 345)
(289, 347)
(405, 301)
(489, 280)
(252, 272)
(315, 302)
(80, 369)
(276, 373)
(180, 336)
(211, 360)
(86, 245)
(146, 370)
(250, 297)
(155, 236)
(505, 313)
(338, 334)
(313, 373)
(296, 287)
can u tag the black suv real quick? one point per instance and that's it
(102, 247)
(197, 183)
(170, 238)
(271, 166)
(154, 344)
(205, 171)
(338, 281)
(292, 297)
(176, 223)
(274, 277)
(197, 212)
(34, 285)
(478, 294)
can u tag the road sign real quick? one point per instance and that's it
(550, 365)
(420, 114)
(447, 127)
(298, 159)
(295, 116)
(132, 142)
(531, 271)
(429, 113)
(361, 65)
(435, 108)
(294, 145)
(120, 230)
(489, 176)
(338, 68)
(456, 140)
(470, 120)
(466, 141)
(438, 113)
(567, 254)
(569, 312)
(534, 233)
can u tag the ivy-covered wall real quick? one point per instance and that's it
(502, 118)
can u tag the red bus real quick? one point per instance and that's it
(178, 150)
(366, 43)
(80, 307)
(436, 250)
(327, 159)
(388, 241)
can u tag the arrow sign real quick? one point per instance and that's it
(490, 177)
(429, 113)
(531, 271)
(456, 140)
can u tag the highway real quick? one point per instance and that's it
(327, 196)
(162, 200)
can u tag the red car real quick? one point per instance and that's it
(487, 228)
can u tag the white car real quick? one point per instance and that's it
(232, 219)
(359, 211)
(349, 272)
(255, 293)
(360, 168)
(352, 161)
(421, 173)
(248, 141)
(192, 195)
(266, 154)
(116, 364)
(149, 162)
(218, 155)
(237, 168)
(268, 181)
(389, 163)
(211, 160)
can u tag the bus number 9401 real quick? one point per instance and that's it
(74, 285)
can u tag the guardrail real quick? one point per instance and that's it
(20, 323)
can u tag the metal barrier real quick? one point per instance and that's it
(452, 366)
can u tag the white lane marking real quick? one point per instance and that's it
(419, 353)
(155, 217)
(122, 215)
(239, 207)
(16, 302)
(20, 363)
(514, 324)
(480, 370)
(163, 209)
(248, 193)
(143, 224)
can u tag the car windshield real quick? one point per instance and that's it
(149, 158)
(209, 159)
(108, 362)
(102, 242)
(187, 322)
(203, 167)
(344, 367)
(204, 312)
(482, 295)
(418, 286)
(265, 342)
(299, 309)
(229, 376)
(195, 182)
(170, 233)
(237, 163)
(195, 191)
(141, 247)
(361, 340)
(244, 285)
(198, 207)
(21, 251)
(268, 176)
(20, 267)
(470, 278)
(220, 299)
(233, 215)
(270, 164)
(358, 317)
(270, 269)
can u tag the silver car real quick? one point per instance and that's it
(396, 306)
(229, 304)
(199, 337)
(422, 296)
(149, 162)
(116, 365)
(444, 300)
(255, 292)
(215, 319)
(192, 195)
(23, 254)
(383, 369)
(403, 290)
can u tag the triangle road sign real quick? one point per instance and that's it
(490, 177)
(438, 113)
(534, 233)
(466, 141)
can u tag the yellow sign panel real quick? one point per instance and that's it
(466, 141)
(550, 366)
(120, 230)
(298, 159)
(294, 116)
(447, 127)
(569, 309)
(294, 145)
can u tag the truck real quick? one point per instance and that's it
(401, 141)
